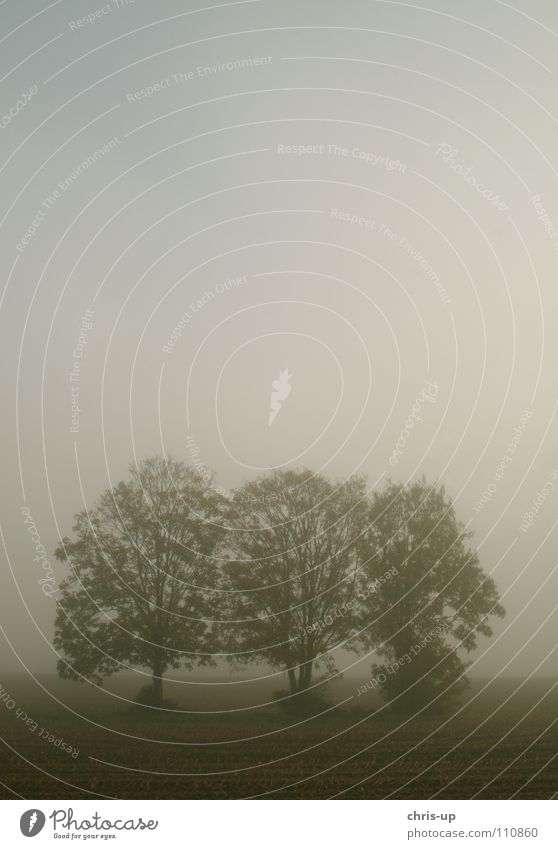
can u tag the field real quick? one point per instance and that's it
(503, 743)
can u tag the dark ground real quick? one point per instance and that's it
(500, 745)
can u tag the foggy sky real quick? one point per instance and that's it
(203, 185)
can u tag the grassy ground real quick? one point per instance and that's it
(502, 744)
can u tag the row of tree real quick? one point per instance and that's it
(165, 572)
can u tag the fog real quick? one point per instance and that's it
(311, 211)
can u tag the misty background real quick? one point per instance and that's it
(206, 183)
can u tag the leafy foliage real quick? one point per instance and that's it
(140, 573)
(291, 583)
(294, 565)
(432, 598)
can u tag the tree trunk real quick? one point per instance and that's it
(304, 679)
(309, 666)
(158, 670)
(292, 681)
(305, 675)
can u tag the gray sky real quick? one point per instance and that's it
(372, 180)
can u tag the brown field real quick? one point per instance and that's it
(500, 745)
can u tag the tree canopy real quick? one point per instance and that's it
(292, 578)
(140, 569)
(166, 572)
(425, 598)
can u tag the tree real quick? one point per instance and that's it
(291, 582)
(140, 566)
(424, 594)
